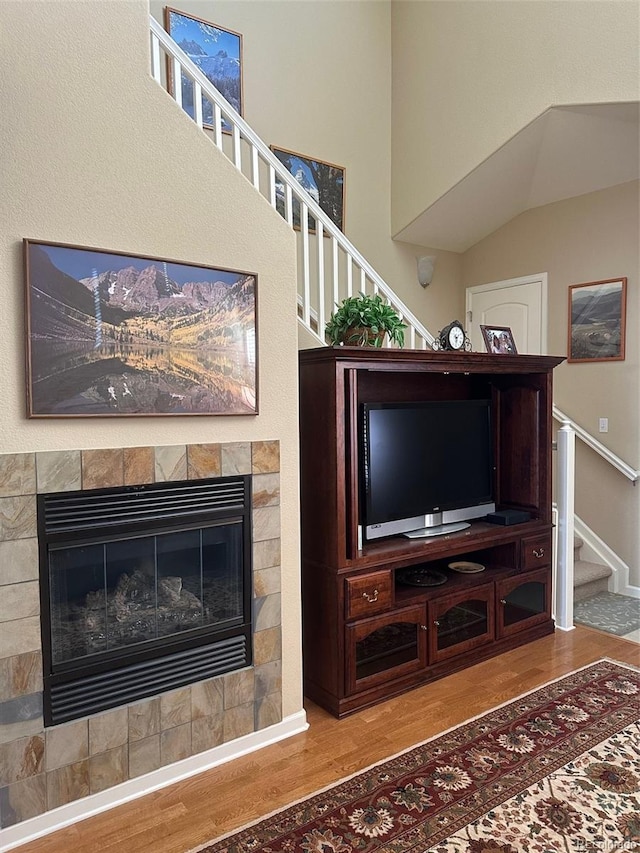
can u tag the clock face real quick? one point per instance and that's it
(456, 337)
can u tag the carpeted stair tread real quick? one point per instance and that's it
(589, 579)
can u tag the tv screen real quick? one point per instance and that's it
(425, 459)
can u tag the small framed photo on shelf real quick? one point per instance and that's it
(499, 340)
(323, 181)
(597, 319)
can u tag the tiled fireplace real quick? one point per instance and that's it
(46, 766)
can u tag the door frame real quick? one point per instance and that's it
(538, 278)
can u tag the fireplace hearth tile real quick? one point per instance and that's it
(175, 708)
(266, 523)
(268, 679)
(207, 732)
(67, 743)
(266, 554)
(20, 675)
(19, 600)
(175, 744)
(21, 759)
(207, 698)
(266, 489)
(170, 463)
(108, 769)
(108, 730)
(144, 756)
(102, 469)
(238, 688)
(18, 560)
(265, 457)
(268, 711)
(267, 612)
(144, 719)
(18, 517)
(203, 460)
(238, 722)
(58, 471)
(67, 784)
(236, 458)
(266, 581)
(23, 800)
(20, 636)
(267, 646)
(17, 474)
(139, 466)
(21, 728)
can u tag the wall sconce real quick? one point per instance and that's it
(426, 264)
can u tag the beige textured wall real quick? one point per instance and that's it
(589, 238)
(468, 75)
(317, 80)
(95, 153)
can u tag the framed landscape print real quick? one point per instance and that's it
(218, 54)
(323, 181)
(110, 333)
(597, 319)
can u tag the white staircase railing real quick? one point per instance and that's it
(330, 268)
(564, 574)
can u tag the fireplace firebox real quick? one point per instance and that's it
(143, 589)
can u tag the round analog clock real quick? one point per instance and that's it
(452, 338)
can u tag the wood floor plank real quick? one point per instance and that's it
(182, 816)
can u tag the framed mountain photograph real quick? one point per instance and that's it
(597, 320)
(218, 54)
(323, 181)
(110, 333)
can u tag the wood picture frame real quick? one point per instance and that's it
(217, 51)
(597, 321)
(117, 334)
(324, 181)
(499, 340)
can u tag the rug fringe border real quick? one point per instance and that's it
(271, 814)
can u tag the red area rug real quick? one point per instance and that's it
(555, 771)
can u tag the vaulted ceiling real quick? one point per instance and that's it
(565, 152)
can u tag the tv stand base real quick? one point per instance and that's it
(437, 530)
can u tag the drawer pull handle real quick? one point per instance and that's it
(370, 597)
(423, 628)
(503, 601)
(436, 623)
(538, 553)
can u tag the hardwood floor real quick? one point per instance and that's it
(187, 814)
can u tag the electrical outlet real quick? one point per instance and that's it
(603, 424)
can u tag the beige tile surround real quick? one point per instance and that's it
(40, 768)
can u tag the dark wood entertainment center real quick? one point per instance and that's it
(366, 636)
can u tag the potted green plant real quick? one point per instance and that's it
(364, 320)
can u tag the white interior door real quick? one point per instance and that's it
(519, 303)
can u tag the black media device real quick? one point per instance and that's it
(508, 516)
(426, 468)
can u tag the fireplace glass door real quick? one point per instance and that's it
(109, 595)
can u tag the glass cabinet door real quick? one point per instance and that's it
(460, 622)
(384, 647)
(523, 600)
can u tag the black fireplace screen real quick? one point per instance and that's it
(144, 589)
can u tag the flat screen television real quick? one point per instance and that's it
(426, 468)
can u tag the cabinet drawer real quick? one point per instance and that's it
(368, 594)
(536, 551)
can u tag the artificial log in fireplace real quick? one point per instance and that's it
(144, 589)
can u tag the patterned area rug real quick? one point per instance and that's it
(615, 614)
(557, 769)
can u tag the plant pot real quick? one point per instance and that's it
(362, 336)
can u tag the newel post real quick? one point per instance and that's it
(566, 512)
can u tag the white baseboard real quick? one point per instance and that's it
(58, 818)
(598, 551)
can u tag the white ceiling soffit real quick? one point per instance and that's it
(565, 152)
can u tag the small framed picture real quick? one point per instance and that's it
(597, 319)
(499, 340)
(323, 181)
